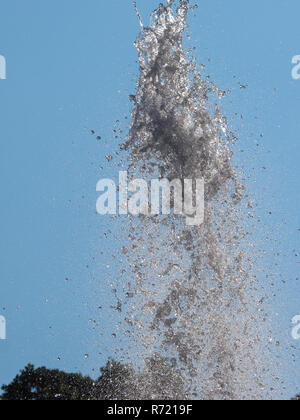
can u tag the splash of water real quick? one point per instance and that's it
(190, 312)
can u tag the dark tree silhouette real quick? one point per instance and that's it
(117, 382)
(159, 380)
(45, 384)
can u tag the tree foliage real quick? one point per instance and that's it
(117, 381)
(44, 384)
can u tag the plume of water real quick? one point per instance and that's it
(191, 310)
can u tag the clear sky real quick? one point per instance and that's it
(71, 65)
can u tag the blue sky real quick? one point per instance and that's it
(70, 68)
